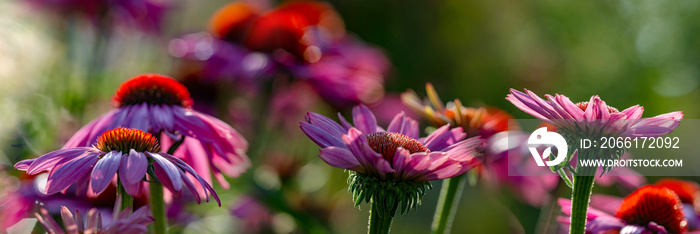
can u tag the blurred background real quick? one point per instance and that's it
(62, 60)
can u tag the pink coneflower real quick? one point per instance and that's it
(159, 104)
(593, 119)
(650, 209)
(396, 153)
(594, 116)
(126, 152)
(392, 167)
(124, 222)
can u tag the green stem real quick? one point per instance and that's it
(158, 208)
(446, 209)
(379, 224)
(580, 197)
(127, 200)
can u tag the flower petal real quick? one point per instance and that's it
(132, 170)
(48, 161)
(325, 124)
(168, 174)
(404, 125)
(68, 221)
(104, 171)
(320, 137)
(340, 158)
(363, 119)
(63, 175)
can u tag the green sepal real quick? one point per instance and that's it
(388, 194)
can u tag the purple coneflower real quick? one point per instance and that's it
(390, 167)
(594, 116)
(589, 120)
(124, 222)
(159, 104)
(393, 154)
(126, 152)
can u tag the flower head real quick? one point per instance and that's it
(593, 119)
(594, 116)
(395, 159)
(153, 89)
(119, 152)
(481, 121)
(158, 104)
(124, 222)
(396, 153)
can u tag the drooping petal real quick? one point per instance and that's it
(132, 170)
(50, 160)
(104, 171)
(161, 117)
(187, 122)
(139, 118)
(24, 164)
(205, 186)
(62, 176)
(167, 173)
(340, 158)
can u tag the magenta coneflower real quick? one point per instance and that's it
(396, 153)
(590, 120)
(124, 222)
(159, 104)
(593, 119)
(650, 209)
(126, 152)
(594, 116)
(392, 166)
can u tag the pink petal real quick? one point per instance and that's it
(48, 161)
(320, 137)
(340, 158)
(363, 119)
(634, 112)
(62, 176)
(404, 125)
(325, 124)
(104, 171)
(132, 169)
(167, 173)
(68, 221)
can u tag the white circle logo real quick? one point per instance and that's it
(541, 137)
